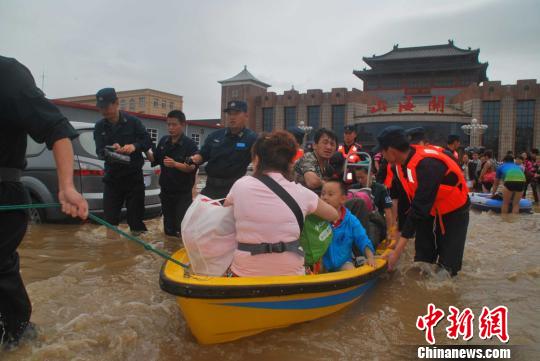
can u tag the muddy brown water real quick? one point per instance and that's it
(98, 298)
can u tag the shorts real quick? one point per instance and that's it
(514, 186)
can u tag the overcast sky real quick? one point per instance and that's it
(185, 47)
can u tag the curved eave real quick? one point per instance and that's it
(244, 82)
(371, 72)
(382, 58)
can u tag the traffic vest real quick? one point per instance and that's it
(448, 198)
(352, 150)
(352, 158)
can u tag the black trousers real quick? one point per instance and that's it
(131, 192)
(216, 192)
(15, 306)
(432, 246)
(534, 187)
(174, 207)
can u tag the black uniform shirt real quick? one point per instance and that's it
(173, 180)
(430, 175)
(128, 130)
(228, 155)
(25, 110)
(449, 152)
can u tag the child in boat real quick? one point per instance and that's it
(347, 230)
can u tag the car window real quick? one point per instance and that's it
(33, 148)
(86, 138)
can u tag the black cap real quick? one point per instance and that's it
(391, 136)
(105, 96)
(416, 134)
(349, 129)
(238, 105)
(452, 138)
(297, 132)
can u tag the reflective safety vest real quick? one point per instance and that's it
(352, 158)
(449, 197)
(352, 150)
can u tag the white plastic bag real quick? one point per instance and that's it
(209, 235)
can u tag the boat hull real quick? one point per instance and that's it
(217, 321)
(223, 309)
(484, 202)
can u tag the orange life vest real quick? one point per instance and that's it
(352, 150)
(389, 176)
(448, 198)
(441, 149)
(299, 154)
(352, 158)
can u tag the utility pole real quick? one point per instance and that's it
(43, 80)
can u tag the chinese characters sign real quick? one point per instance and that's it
(436, 104)
(491, 323)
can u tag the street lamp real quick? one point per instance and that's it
(473, 130)
(306, 129)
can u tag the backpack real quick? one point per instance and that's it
(315, 238)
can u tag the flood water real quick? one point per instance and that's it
(97, 298)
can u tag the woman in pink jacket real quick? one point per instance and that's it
(267, 228)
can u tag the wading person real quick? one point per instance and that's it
(513, 178)
(120, 140)
(313, 167)
(25, 111)
(439, 210)
(177, 178)
(227, 151)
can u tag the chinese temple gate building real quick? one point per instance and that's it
(422, 72)
(414, 87)
(438, 87)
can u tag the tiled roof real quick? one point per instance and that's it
(422, 52)
(244, 76)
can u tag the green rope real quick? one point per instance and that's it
(95, 218)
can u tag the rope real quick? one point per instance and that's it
(147, 246)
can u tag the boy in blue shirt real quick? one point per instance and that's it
(347, 230)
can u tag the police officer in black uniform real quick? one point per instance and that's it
(24, 110)
(177, 178)
(227, 151)
(120, 140)
(439, 239)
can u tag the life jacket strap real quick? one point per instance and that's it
(279, 247)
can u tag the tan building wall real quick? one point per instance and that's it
(147, 101)
(471, 101)
(355, 102)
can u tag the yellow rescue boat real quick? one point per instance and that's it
(222, 309)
